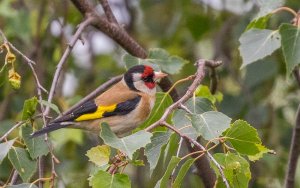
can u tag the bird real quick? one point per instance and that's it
(123, 106)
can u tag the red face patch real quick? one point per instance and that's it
(147, 76)
(148, 71)
(150, 85)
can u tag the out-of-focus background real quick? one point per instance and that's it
(192, 29)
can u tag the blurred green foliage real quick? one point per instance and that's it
(259, 93)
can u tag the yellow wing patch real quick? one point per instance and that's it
(98, 114)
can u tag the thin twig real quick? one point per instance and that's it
(285, 9)
(11, 130)
(82, 26)
(14, 177)
(28, 60)
(108, 12)
(15, 49)
(200, 147)
(114, 31)
(199, 77)
(189, 93)
(294, 154)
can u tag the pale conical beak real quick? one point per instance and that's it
(159, 75)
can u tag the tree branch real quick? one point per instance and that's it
(294, 154)
(189, 93)
(108, 12)
(115, 32)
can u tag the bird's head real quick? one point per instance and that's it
(142, 78)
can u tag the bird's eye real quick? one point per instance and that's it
(148, 79)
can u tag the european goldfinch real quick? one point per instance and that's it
(124, 106)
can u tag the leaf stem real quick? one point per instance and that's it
(287, 9)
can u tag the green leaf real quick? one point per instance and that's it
(262, 150)
(128, 144)
(211, 124)
(131, 61)
(236, 169)
(64, 136)
(259, 23)
(29, 108)
(244, 138)
(99, 155)
(22, 162)
(153, 149)
(290, 41)
(51, 105)
(3, 74)
(105, 179)
(36, 146)
(4, 148)
(182, 172)
(162, 102)
(257, 44)
(182, 120)
(23, 185)
(167, 63)
(158, 59)
(164, 182)
(203, 91)
(267, 7)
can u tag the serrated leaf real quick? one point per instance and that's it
(236, 169)
(166, 62)
(290, 41)
(128, 144)
(164, 182)
(182, 120)
(153, 149)
(4, 148)
(105, 179)
(257, 44)
(51, 105)
(243, 137)
(29, 108)
(162, 102)
(131, 61)
(36, 146)
(23, 185)
(99, 155)
(22, 162)
(182, 172)
(211, 124)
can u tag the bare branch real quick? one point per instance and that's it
(14, 178)
(115, 32)
(63, 59)
(11, 130)
(294, 154)
(189, 93)
(108, 12)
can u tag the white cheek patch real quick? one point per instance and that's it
(140, 85)
(136, 77)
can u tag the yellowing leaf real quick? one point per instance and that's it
(99, 155)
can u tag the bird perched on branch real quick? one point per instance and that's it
(124, 106)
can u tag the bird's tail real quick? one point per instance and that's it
(49, 128)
